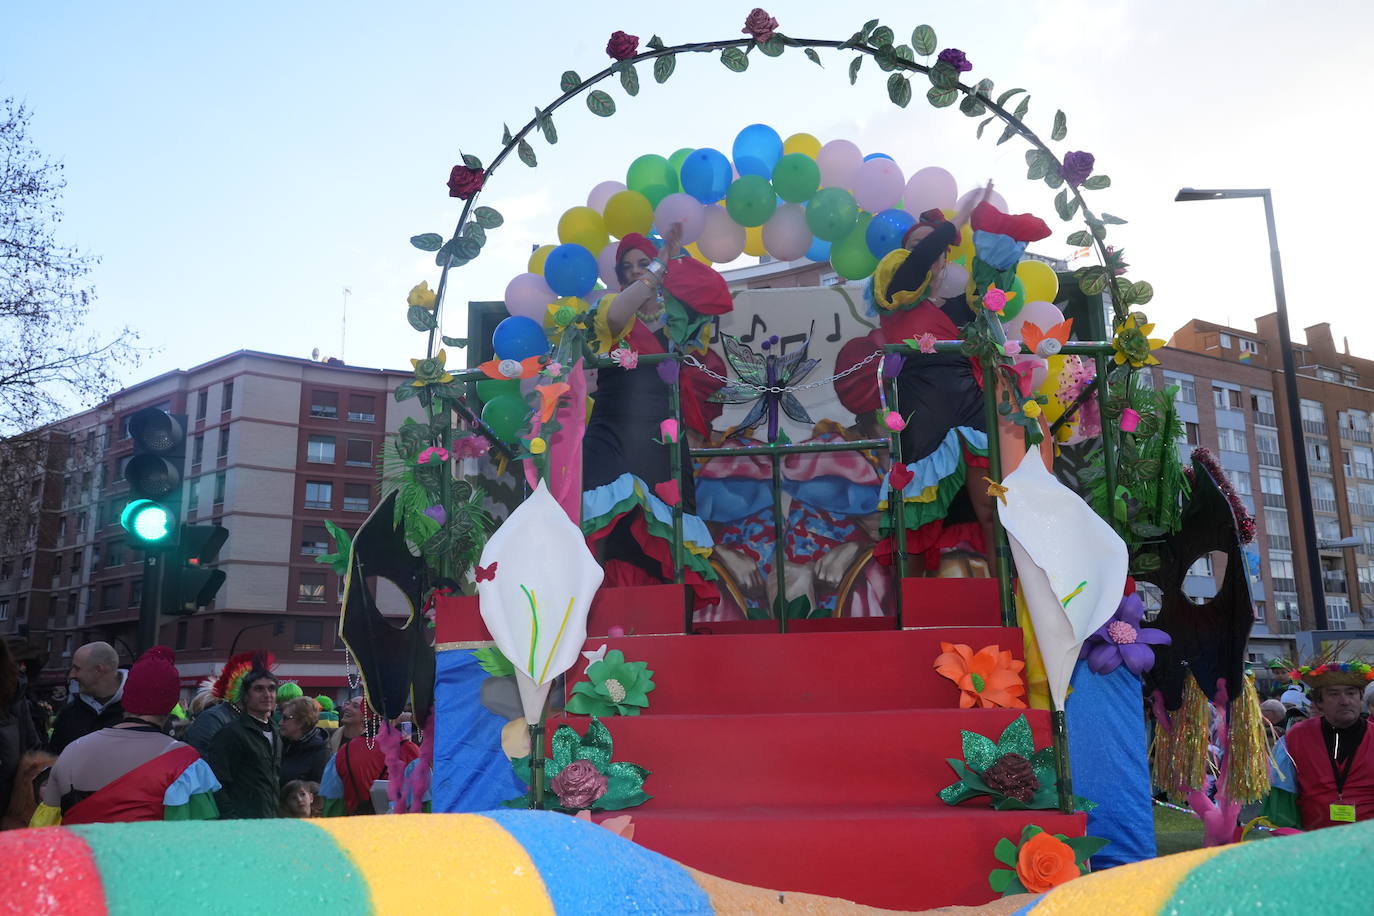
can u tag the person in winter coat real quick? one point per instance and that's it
(96, 702)
(304, 751)
(17, 734)
(246, 753)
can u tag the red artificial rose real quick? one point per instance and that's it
(578, 785)
(463, 182)
(759, 25)
(622, 46)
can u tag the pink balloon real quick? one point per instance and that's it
(878, 185)
(839, 161)
(931, 187)
(786, 235)
(605, 265)
(602, 193)
(529, 295)
(953, 281)
(722, 240)
(997, 200)
(1042, 314)
(681, 208)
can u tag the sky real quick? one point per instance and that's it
(237, 167)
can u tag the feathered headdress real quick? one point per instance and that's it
(231, 678)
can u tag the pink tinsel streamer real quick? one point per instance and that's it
(406, 790)
(565, 449)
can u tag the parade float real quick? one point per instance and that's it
(816, 705)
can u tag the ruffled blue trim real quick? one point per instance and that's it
(998, 251)
(939, 464)
(196, 779)
(331, 786)
(602, 500)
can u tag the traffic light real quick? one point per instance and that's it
(154, 473)
(189, 581)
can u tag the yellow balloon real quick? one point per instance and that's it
(965, 247)
(536, 265)
(753, 241)
(626, 212)
(805, 144)
(1039, 279)
(692, 249)
(582, 226)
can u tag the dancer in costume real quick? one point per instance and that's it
(944, 442)
(132, 771)
(665, 305)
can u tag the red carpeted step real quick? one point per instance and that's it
(641, 609)
(831, 760)
(800, 672)
(886, 856)
(950, 603)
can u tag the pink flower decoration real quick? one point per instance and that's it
(552, 369)
(667, 430)
(669, 492)
(431, 453)
(927, 342)
(894, 421)
(1012, 348)
(995, 300)
(578, 785)
(759, 25)
(615, 631)
(1129, 420)
(470, 447)
(624, 357)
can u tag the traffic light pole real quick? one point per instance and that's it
(150, 606)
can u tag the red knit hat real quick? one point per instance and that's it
(153, 685)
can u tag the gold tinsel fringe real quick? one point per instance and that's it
(1180, 748)
(1247, 753)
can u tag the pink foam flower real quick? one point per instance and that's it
(431, 453)
(894, 421)
(927, 342)
(624, 357)
(667, 430)
(470, 447)
(1012, 348)
(1130, 419)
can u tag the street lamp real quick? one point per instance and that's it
(1290, 387)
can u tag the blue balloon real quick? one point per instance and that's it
(876, 156)
(757, 150)
(518, 337)
(570, 270)
(886, 231)
(819, 250)
(705, 175)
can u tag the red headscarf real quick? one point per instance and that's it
(690, 281)
(632, 242)
(930, 219)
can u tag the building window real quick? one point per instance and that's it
(310, 588)
(357, 497)
(1187, 390)
(1202, 566)
(1323, 495)
(207, 633)
(1232, 440)
(181, 634)
(319, 494)
(1226, 341)
(202, 403)
(1318, 456)
(62, 529)
(1313, 416)
(135, 593)
(1240, 481)
(1337, 609)
(324, 404)
(67, 645)
(314, 541)
(27, 569)
(1247, 345)
(320, 450)
(75, 568)
(362, 408)
(198, 450)
(109, 597)
(1362, 460)
(1225, 398)
(223, 451)
(309, 635)
(359, 454)
(114, 553)
(1276, 527)
(221, 481)
(193, 500)
(226, 400)
(4, 609)
(6, 569)
(1191, 434)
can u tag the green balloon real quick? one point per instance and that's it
(831, 214)
(796, 177)
(1017, 302)
(850, 256)
(488, 389)
(653, 176)
(506, 415)
(679, 157)
(750, 200)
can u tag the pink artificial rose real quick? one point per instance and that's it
(1012, 348)
(615, 631)
(667, 430)
(995, 300)
(470, 447)
(894, 421)
(1129, 420)
(431, 453)
(758, 25)
(622, 46)
(624, 357)
(927, 342)
(578, 785)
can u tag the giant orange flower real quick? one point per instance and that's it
(1045, 861)
(990, 677)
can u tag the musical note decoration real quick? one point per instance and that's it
(760, 376)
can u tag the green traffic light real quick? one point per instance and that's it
(147, 521)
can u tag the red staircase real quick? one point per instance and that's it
(810, 761)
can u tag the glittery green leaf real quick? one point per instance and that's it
(1016, 738)
(979, 752)
(565, 742)
(624, 786)
(596, 745)
(1005, 852)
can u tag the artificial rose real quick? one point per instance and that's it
(464, 182)
(1013, 776)
(956, 59)
(578, 785)
(421, 296)
(894, 421)
(758, 25)
(622, 46)
(1045, 861)
(438, 513)
(1076, 168)
(927, 342)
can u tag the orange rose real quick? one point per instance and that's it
(1043, 862)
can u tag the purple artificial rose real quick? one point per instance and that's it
(438, 513)
(669, 370)
(1077, 166)
(1122, 640)
(578, 785)
(956, 59)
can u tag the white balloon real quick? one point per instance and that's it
(997, 200)
(684, 209)
(1043, 315)
(952, 282)
(723, 239)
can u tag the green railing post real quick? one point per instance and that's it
(1108, 440)
(1059, 728)
(897, 507)
(1001, 553)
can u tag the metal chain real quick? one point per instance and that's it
(691, 360)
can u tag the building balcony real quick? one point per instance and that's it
(1324, 505)
(1266, 418)
(1274, 501)
(1288, 627)
(1285, 585)
(1280, 542)
(1334, 583)
(1355, 435)
(1320, 467)
(1317, 427)
(1269, 460)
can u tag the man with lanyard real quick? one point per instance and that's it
(246, 753)
(1323, 773)
(131, 771)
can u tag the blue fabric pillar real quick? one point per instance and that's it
(1110, 760)
(471, 772)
